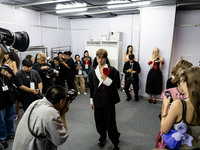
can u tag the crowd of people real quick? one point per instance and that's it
(40, 87)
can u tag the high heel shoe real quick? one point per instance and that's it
(150, 100)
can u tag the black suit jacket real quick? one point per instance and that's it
(105, 96)
(136, 67)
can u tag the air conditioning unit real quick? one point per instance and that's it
(115, 36)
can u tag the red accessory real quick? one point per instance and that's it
(106, 71)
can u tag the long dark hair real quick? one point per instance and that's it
(128, 48)
(14, 57)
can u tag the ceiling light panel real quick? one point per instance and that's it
(130, 4)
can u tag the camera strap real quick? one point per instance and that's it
(31, 131)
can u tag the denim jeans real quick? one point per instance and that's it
(6, 121)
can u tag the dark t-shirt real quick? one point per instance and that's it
(24, 78)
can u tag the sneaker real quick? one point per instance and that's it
(84, 93)
(79, 93)
(16, 118)
(4, 143)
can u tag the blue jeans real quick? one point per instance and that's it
(6, 122)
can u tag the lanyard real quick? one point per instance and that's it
(2, 80)
(29, 79)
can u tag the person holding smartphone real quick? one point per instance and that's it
(154, 77)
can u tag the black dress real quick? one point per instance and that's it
(154, 79)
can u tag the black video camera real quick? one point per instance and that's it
(18, 40)
(71, 94)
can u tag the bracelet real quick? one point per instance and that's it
(164, 116)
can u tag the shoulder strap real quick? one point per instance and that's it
(184, 110)
(29, 128)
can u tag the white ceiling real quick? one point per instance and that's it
(98, 8)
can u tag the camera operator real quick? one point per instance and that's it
(57, 71)
(131, 70)
(43, 125)
(30, 83)
(7, 104)
(45, 71)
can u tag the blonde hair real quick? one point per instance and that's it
(179, 75)
(193, 85)
(102, 53)
(41, 56)
(179, 64)
(153, 53)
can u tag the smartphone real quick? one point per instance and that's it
(167, 94)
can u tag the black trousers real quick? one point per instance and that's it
(70, 81)
(135, 88)
(106, 123)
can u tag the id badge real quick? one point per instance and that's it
(5, 88)
(79, 71)
(86, 66)
(32, 85)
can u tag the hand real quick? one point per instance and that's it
(34, 91)
(103, 76)
(92, 106)
(133, 72)
(129, 70)
(45, 67)
(5, 73)
(166, 101)
(65, 108)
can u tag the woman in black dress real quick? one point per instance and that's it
(154, 77)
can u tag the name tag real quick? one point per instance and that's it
(32, 85)
(79, 71)
(86, 66)
(5, 88)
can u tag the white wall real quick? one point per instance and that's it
(93, 28)
(186, 37)
(157, 27)
(43, 29)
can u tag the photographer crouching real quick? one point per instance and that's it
(43, 125)
(45, 71)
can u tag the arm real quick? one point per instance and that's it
(40, 86)
(27, 89)
(151, 63)
(161, 62)
(91, 89)
(169, 117)
(125, 59)
(114, 82)
(14, 67)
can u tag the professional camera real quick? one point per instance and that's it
(71, 94)
(18, 40)
(3, 67)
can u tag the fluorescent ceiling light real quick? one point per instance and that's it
(130, 5)
(68, 8)
(117, 2)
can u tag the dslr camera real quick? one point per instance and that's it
(71, 94)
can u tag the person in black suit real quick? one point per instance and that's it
(103, 97)
(131, 70)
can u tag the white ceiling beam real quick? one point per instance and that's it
(43, 3)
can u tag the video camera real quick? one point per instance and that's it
(71, 94)
(18, 40)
